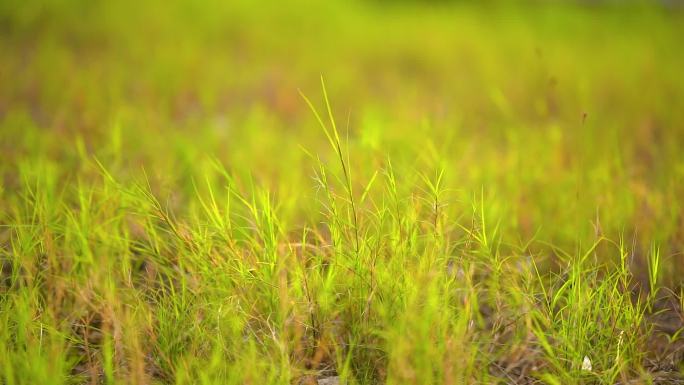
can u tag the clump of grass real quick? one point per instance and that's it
(104, 282)
(463, 227)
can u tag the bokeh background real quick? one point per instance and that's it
(569, 115)
(556, 126)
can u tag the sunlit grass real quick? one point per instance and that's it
(475, 194)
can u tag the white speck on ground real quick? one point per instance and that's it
(329, 381)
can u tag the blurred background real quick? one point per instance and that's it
(569, 116)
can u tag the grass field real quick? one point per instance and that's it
(341, 192)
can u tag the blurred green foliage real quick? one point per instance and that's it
(555, 126)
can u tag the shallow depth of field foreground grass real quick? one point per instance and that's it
(471, 194)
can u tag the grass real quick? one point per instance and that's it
(474, 194)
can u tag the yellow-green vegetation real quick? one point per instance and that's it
(209, 192)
